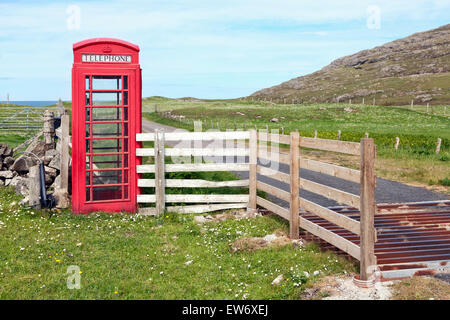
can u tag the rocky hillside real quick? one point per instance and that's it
(416, 67)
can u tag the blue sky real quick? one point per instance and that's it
(201, 48)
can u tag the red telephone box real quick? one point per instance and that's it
(106, 115)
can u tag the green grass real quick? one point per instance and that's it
(379, 121)
(13, 140)
(131, 257)
(418, 131)
(445, 181)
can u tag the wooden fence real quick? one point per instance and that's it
(159, 168)
(365, 202)
(262, 146)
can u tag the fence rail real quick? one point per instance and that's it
(214, 201)
(264, 146)
(21, 119)
(365, 202)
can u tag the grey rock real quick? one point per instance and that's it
(8, 162)
(277, 280)
(56, 162)
(22, 186)
(47, 160)
(200, 219)
(9, 152)
(14, 181)
(48, 179)
(25, 201)
(6, 174)
(3, 148)
(56, 183)
(52, 172)
(23, 164)
(62, 198)
(37, 147)
(424, 97)
(51, 153)
(392, 69)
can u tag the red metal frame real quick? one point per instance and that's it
(128, 124)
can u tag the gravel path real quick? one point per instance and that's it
(387, 191)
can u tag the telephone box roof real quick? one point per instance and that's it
(93, 41)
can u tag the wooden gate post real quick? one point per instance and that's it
(63, 192)
(49, 130)
(294, 184)
(160, 181)
(34, 187)
(368, 261)
(253, 161)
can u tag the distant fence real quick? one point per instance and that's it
(26, 120)
(387, 141)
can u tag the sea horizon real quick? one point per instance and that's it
(32, 103)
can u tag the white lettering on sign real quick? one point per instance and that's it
(106, 58)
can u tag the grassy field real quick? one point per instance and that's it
(131, 257)
(415, 161)
(171, 257)
(13, 140)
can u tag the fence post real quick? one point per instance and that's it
(34, 187)
(397, 142)
(438, 145)
(49, 130)
(367, 209)
(294, 184)
(253, 160)
(28, 120)
(160, 182)
(63, 192)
